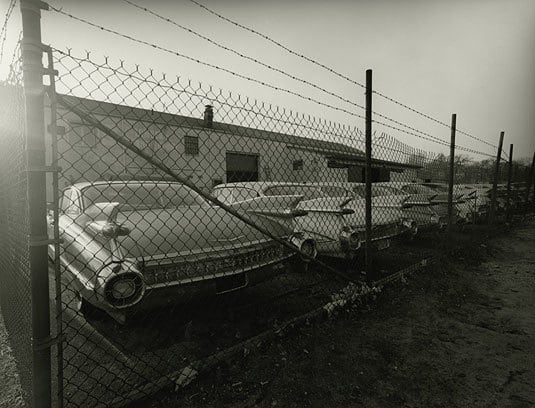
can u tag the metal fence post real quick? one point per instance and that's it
(492, 217)
(368, 175)
(509, 178)
(530, 181)
(38, 239)
(451, 174)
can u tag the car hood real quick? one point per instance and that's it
(188, 230)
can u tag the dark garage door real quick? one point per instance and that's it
(242, 167)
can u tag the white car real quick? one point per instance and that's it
(334, 218)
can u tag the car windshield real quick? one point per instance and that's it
(143, 195)
(377, 191)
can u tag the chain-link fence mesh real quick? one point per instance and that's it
(191, 223)
(15, 284)
(190, 219)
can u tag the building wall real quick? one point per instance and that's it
(407, 175)
(87, 154)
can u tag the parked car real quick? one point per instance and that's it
(464, 200)
(388, 219)
(438, 196)
(324, 220)
(478, 196)
(415, 207)
(132, 245)
(334, 218)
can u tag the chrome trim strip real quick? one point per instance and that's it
(216, 275)
(202, 251)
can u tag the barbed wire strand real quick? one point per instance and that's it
(331, 70)
(3, 32)
(207, 64)
(270, 67)
(280, 71)
(422, 135)
(16, 53)
(159, 83)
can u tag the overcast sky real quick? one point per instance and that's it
(471, 57)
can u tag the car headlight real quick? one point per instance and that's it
(124, 289)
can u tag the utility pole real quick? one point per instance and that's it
(451, 174)
(368, 175)
(492, 218)
(530, 181)
(509, 179)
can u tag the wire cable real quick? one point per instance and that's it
(207, 64)
(466, 149)
(332, 71)
(270, 67)
(241, 55)
(420, 134)
(3, 32)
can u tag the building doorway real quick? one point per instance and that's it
(242, 167)
(357, 174)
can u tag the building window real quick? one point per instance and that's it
(298, 164)
(191, 145)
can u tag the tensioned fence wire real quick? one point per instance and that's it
(15, 285)
(138, 307)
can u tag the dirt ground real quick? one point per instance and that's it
(460, 334)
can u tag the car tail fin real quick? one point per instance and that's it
(413, 201)
(273, 206)
(104, 211)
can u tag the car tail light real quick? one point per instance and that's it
(350, 239)
(305, 245)
(125, 289)
(309, 248)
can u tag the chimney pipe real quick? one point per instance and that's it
(208, 116)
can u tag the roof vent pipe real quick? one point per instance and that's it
(208, 116)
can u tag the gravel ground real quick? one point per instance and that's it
(460, 335)
(10, 389)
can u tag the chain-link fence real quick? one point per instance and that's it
(206, 219)
(15, 281)
(188, 224)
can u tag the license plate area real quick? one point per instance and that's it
(230, 283)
